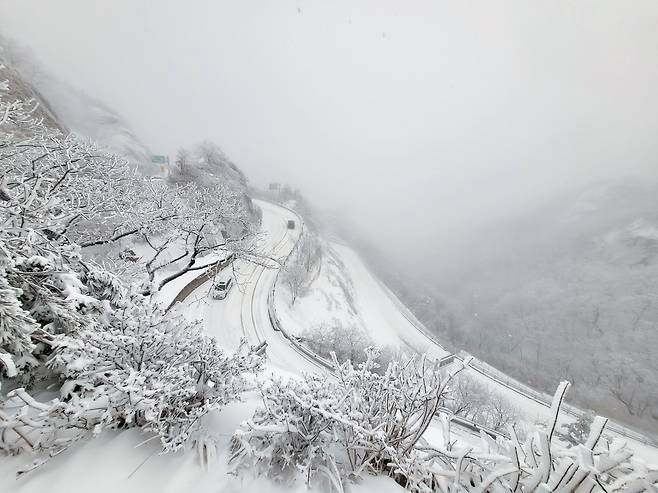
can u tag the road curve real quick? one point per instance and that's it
(244, 313)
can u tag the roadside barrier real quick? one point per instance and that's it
(520, 388)
(479, 366)
(213, 269)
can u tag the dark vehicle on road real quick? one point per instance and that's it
(291, 224)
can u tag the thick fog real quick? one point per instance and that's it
(422, 121)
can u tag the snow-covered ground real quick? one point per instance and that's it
(121, 462)
(330, 300)
(346, 292)
(115, 462)
(384, 317)
(380, 310)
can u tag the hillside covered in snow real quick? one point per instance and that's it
(175, 334)
(567, 291)
(69, 108)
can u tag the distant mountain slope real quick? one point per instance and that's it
(571, 290)
(565, 291)
(70, 109)
(21, 90)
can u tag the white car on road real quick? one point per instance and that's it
(221, 287)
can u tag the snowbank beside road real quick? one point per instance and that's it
(378, 309)
(329, 300)
(346, 293)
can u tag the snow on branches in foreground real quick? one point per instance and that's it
(66, 190)
(332, 432)
(114, 358)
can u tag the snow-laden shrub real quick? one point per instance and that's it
(161, 379)
(70, 327)
(541, 463)
(126, 364)
(302, 265)
(332, 432)
(16, 327)
(42, 297)
(576, 432)
(360, 422)
(480, 403)
(348, 343)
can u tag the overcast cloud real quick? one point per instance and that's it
(447, 115)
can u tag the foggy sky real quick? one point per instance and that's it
(423, 120)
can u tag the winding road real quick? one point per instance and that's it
(245, 314)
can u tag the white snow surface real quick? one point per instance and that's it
(122, 462)
(329, 300)
(114, 461)
(381, 311)
(345, 291)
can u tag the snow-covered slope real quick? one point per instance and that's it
(126, 461)
(117, 462)
(328, 303)
(70, 109)
(383, 314)
(387, 320)
(122, 462)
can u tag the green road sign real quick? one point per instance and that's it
(158, 159)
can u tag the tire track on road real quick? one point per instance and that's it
(252, 293)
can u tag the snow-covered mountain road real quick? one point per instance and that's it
(244, 313)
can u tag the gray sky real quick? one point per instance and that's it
(446, 115)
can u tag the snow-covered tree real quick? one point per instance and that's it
(183, 161)
(206, 163)
(363, 422)
(347, 342)
(479, 403)
(295, 278)
(213, 221)
(576, 432)
(68, 191)
(117, 358)
(332, 433)
(50, 183)
(302, 265)
(309, 251)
